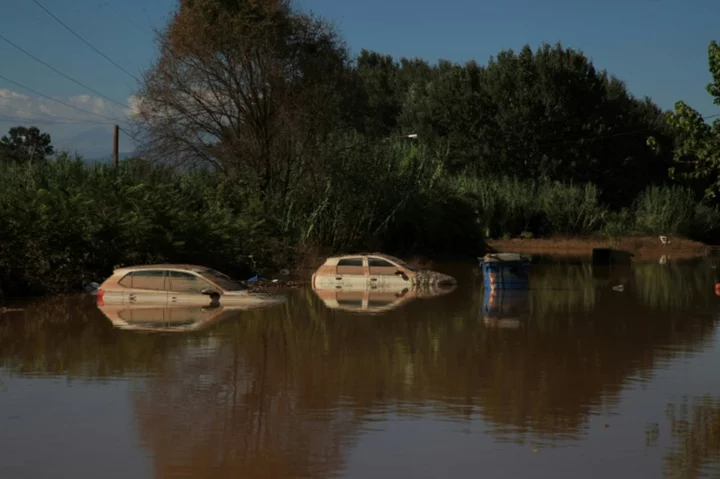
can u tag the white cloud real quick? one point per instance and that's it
(134, 103)
(7, 95)
(96, 110)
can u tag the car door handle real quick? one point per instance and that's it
(174, 299)
(373, 279)
(338, 278)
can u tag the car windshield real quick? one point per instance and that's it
(401, 263)
(222, 280)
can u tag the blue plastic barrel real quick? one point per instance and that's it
(505, 271)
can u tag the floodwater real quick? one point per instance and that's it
(576, 378)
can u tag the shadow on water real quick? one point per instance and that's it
(289, 391)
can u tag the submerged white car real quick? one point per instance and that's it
(178, 285)
(374, 270)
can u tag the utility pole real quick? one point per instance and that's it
(116, 133)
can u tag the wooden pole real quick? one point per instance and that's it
(116, 134)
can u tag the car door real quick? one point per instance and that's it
(375, 280)
(187, 287)
(350, 274)
(147, 287)
(383, 274)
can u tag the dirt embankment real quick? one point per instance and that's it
(642, 247)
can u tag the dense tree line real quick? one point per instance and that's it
(262, 135)
(279, 97)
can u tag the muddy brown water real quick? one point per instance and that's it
(572, 379)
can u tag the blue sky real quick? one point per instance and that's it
(659, 47)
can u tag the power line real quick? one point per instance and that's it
(85, 41)
(133, 137)
(58, 101)
(77, 82)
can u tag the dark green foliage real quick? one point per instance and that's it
(25, 145)
(544, 113)
(696, 146)
(64, 223)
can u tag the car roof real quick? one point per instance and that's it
(355, 255)
(179, 267)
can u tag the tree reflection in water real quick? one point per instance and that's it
(695, 430)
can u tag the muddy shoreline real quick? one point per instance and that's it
(642, 247)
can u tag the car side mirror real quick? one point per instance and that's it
(210, 292)
(401, 274)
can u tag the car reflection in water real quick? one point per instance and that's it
(505, 308)
(379, 299)
(166, 319)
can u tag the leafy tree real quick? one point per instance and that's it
(25, 145)
(697, 148)
(543, 113)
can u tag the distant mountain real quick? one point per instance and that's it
(94, 145)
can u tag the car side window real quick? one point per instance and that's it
(380, 263)
(379, 266)
(148, 279)
(350, 266)
(181, 282)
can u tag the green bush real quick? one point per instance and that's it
(664, 210)
(64, 223)
(674, 211)
(618, 223)
(570, 209)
